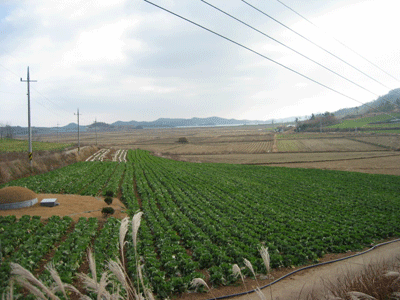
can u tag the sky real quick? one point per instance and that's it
(129, 60)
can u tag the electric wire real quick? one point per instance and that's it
(263, 56)
(9, 70)
(35, 100)
(286, 46)
(344, 45)
(54, 103)
(33, 88)
(315, 44)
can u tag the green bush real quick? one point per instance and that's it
(108, 200)
(109, 193)
(106, 211)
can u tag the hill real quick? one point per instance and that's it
(385, 103)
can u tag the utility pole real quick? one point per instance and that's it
(29, 118)
(57, 134)
(79, 141)
(95, 128)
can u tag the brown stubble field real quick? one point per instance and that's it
(260, 145)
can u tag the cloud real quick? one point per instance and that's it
(129, 60)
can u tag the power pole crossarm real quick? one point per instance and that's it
(29, 117)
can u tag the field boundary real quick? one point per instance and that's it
(316, 161)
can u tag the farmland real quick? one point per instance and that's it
(369, 122)
(202, 218)
(256, 144)
(11, 145)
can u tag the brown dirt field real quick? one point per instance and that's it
(374, 162)
(70, 205)
(377, 165)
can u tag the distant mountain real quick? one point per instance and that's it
(121, 125)
(193, 122)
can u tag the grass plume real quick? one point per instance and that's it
(196, 282)
(250, 267)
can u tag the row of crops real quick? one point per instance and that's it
(202, 218)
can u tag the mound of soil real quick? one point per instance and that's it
(14, 194)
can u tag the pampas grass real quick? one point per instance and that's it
(260, 294)
(265, 257)
(32, 289)
(50, 267)
(373, 281)
(196, 282)
(360, 296)
(123, 229)
(250, 267)
(28, 280)
(135, 227)
(100, 287)
(237, 272)
(118, 270)
(9, 295)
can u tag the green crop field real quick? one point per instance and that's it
(12, 145)
(201, 217)
(365, 122)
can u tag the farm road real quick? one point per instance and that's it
(301, 284)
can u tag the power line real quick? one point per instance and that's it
(51, 101)
(9, 70)
(263, 56)
(275, 40)
(315, 44)
(54, 103)
(338, 41)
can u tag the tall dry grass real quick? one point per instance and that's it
(236, 271)
(114, 283)
(47, 161)
(376, 281)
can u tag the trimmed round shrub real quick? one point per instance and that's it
(109, 193)
(106, 211)
(108, 200)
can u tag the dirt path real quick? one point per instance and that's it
(274, 146)
(300, 285)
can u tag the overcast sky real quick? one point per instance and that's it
(129, 60)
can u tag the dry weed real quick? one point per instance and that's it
(374, 281)
(46, 161)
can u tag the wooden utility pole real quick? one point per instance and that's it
(29, 118)
(57, 134)
(95, 128)
(79, 141)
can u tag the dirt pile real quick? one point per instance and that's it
(14, 194)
